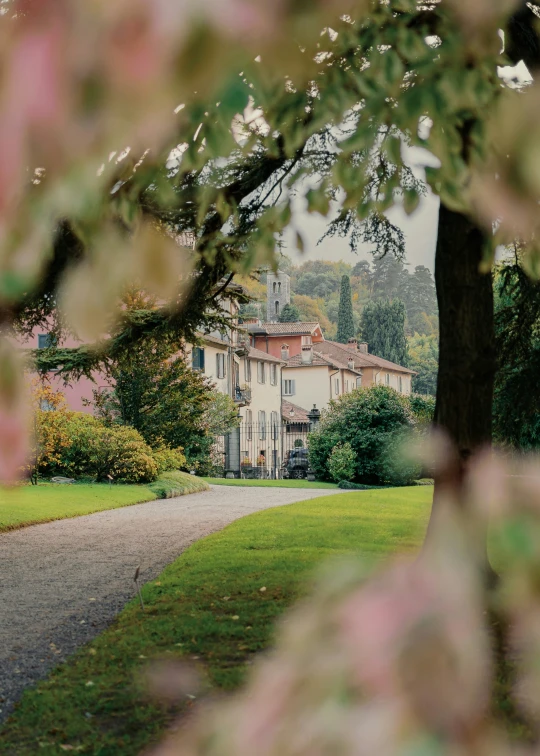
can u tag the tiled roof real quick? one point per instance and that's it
(257, 354)
(361, 359)
(300, 414)
(283, 329)
(318, 361)
(214, 340)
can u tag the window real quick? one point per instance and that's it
(262, 425)
(401, 384)
(307, 341)
(221, 369)
(336, 386)
(346, 387)
(46, 340)
(279, 287)
(249, 425)
(289, 388)
(273, 375)
(197, 358)
(247, 371)
(359, 381)
(387, 379)
(261, 372)
(274, 420)
(277, 307)
(275, 287)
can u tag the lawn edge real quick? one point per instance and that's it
(170, 493)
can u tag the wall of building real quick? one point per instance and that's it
(210, 365)
(265, 397)
(272, 345)
(399, 381)
(312, 385)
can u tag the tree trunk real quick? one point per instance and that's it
(467, 354)
(467, 335)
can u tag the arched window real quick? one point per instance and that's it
(277, 308)
(275, 285)
(279, 287)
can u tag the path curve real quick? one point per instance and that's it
(62, 583)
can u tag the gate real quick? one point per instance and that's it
(258, 450)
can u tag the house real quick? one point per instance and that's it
(269, 337)
(375, 371)
(253, 380)
(313, 378)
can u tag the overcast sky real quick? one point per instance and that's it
(420, 231)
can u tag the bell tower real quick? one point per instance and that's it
(278, 294)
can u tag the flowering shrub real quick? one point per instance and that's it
(342, 462)
(167, 459)
(77, 444)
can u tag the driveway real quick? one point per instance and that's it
(61, 583)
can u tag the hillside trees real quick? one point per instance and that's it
(345, 329)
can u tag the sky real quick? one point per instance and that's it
(420, 231)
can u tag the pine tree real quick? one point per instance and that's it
(289, 314)
(383, 328)
(345, 330)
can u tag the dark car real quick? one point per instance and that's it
(295, 464)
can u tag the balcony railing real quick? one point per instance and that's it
(242, 396)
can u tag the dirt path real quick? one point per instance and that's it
(63, 582)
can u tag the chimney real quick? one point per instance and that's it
(307, 354)
(363, 347)
(285, 352)
(350, 364)
(353, 344)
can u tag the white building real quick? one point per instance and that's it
(253, 380)
(312, 378)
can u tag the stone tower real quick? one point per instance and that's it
(278, 294)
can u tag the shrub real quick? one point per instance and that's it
(168, 459)
(342, 462)
(76, 444)
(368, 419)
(423, 407)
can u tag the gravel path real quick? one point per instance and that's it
(61, 583)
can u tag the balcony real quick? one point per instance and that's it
(242, 395)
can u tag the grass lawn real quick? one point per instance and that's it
(269, 483)
(207, 605)
(27, 505)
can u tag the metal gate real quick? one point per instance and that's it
(258, 450)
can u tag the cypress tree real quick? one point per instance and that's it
(345, 329)
(383, 328)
